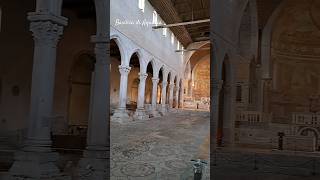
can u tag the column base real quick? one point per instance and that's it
(140, 114)
(94, 165)
(154, 113)
(163, 110)
(35, 166)
(121, 116)
(173, 110)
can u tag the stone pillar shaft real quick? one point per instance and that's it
(46, 34)
(98, 116)
(216, 88)
(155, 82)
(180, 103)
(164, 93)
(36, 159)
(124, 71)
(177, 96)
(96, 154)
(171, 88)
(141, 91)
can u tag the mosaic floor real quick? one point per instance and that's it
(160, 148)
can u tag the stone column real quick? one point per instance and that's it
(155, 82)
(177, 96)
(215, 90)
(181, 95)
(121, 115)
(164, 97)
(36, 159)
(171, 88)
(140, 113)
(96, 154)
(229, 111)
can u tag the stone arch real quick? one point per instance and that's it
(175, 100)
(248, 30)
(169, 81)
(102, 8)
(153, 64)
(135, 62)
(79, 91)
(224, 122)
(201, 79)
(121, 47)
(150, 70)
(266, 42)
(140, 55)
(191, 53)
(316, 131)
(161, 76)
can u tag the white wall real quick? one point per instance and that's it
(144, 37)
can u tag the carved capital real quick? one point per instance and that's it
(143, 76)
(46, 32)
(171, 85)
(101, 51)
(164, 84)
(155, 80)
(124, 70)
(217, 85)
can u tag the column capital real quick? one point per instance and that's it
(101, 51)
(217, 84)
(124, 70)
(46, 32)
(143, 76)
(99, 39)
(46, 28)
(155, 80)
(164, 84)
(47, 16)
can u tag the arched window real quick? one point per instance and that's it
(141, 5)
(164, 31)
(172, 38)
(154, 18)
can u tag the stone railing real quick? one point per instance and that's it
(253, 117)
(77, 130)
(310, 119)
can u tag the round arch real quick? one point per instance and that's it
(121, 47)
(266, 42)
(316, 131)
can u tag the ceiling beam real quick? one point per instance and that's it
(181, 24)
(193, 49)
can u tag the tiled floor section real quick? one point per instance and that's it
(160, 148)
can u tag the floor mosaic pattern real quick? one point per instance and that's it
(159, 148)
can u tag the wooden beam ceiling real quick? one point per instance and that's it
(176, 11)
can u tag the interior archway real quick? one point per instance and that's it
(115, 62)
(133, 82)
(159, 89)
(148, 91)
(80, 85)
(168, 88)
(294, 59)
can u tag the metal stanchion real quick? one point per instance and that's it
(314, 167)
(215, 158)
(255, 162)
